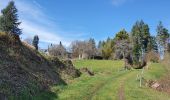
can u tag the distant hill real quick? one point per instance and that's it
(23, 70)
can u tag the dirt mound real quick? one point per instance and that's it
(153, 84)
(70, 69)
(65, 68)
(87, 71)
(26, 71)
(161, 85)
(164, 84)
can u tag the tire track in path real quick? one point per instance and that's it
(109, 81)
(121, 90)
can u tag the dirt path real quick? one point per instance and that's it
(110, 80)
(113, 89)
(121, 92)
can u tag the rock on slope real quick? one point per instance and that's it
(24, 71)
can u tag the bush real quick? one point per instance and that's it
(153, 57)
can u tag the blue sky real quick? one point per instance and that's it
(69, 20)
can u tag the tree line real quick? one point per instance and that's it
(133, 47)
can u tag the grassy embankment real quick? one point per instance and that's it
(109, 83)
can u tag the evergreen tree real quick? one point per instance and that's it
(162, 34)
(162, 37)
(152, 45)
(61, 44)
(92, 47)
(99, 45)
(122, 35)
(93, 43)
(9, 20)
(140, 39)
(35, 42)
(108, 39)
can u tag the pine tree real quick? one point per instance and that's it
(92, 47)
(162, 37)
(162, 34)
(9, 20)
(122, 35)
(61, 44)
(99, 45)
(152, 45)
(35, 42)
(140, 39)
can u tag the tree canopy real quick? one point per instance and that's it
(140, 38)
(35, 42)
(9, 21)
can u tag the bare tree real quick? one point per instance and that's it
(125, 48)
(57, 50)
(83, 48)
(78, 48)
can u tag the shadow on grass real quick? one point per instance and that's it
(49, 94)
(46, 96)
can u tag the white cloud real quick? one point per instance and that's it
(37, 4)
(45, 36)
(35, 22)
(120, 2)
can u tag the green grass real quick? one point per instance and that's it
(133, 91)
(108, 80)
(86, 86)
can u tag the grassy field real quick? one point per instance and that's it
(110, 82)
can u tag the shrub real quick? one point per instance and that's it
(153, 57)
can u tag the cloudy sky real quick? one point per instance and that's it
(69, 20)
